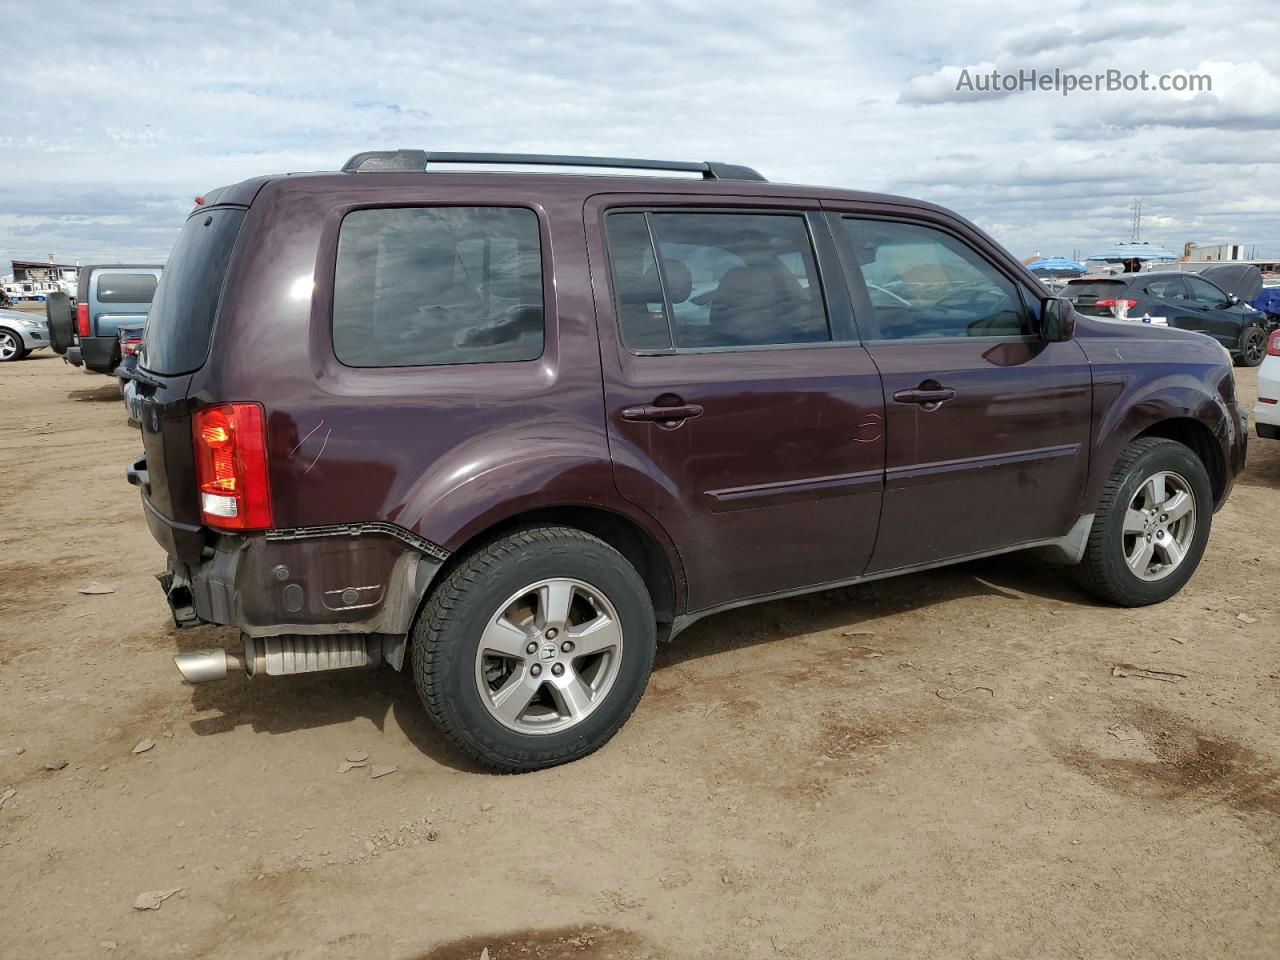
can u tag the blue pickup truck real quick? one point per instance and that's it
(109, 298)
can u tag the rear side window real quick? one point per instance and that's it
(126, 287)
(180, 324)
(425, 286)
(924, 283)
(716, 280)
(1167, 288)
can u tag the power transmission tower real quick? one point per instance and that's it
(1135, 234)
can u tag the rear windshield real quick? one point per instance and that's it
(181, 321)
(126, 287)
(1093, 289)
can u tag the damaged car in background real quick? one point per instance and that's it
(1213, 302)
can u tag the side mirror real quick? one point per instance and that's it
(1057, 320)
(1232, 299)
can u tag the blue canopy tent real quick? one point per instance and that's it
(1055, 267)
(1142, 252)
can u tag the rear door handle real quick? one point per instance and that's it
(652, 413)
(929, 397)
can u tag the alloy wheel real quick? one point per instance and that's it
(549, 656)
(1255, 345)
(1159, 525)
(8, 346)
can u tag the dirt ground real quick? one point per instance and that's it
(943, 765)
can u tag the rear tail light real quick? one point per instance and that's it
(1273, 345)
(129, 347)
(231, 466)
(1119, 308)
(82, 319)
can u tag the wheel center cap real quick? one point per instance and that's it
(549, 651)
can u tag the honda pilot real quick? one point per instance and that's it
(510, 430)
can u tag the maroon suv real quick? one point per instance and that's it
(516, 428)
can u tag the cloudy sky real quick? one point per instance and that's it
(113, 122)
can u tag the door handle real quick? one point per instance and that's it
(652, 413)
(928, 395)
(925, 395)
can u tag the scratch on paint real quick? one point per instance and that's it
(327, 433)
(306, 438)
(871, 421)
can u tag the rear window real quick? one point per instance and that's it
(425, 286)
(126, 287)
(1167, 288)
(1093, 289)
(181, 321)
(724, 280)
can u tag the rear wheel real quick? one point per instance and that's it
(1151, 525)
(1253, 346)
(535, 649)
(11, 346)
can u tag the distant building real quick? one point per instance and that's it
(1214, 251)
(34, 270)
(36, 279)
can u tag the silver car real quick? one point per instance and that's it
(20, 333)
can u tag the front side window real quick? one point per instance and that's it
(425, 286)
(924, 283)
(126, 287)
(1202, 291)
(715, 280)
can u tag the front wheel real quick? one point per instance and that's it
(1151, 525)
(11, 346)
(535, 649)
(1253, 346)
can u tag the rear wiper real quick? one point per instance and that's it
(142, 377)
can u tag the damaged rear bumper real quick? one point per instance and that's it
(308, 598)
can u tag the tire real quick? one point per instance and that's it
(460, 681)
(1105, 570)
(12, 347)
(57, 311)
(1253, 346)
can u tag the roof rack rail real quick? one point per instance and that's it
(384, 161)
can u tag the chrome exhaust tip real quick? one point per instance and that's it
(203, 666)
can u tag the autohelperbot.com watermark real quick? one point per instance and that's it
(1065, 82)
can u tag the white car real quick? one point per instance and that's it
(20, 333)
(1266, 414)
